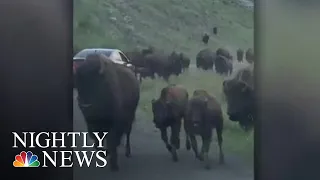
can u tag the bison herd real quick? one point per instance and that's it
(108, 96)
(149, 62)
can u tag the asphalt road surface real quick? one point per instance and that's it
(151, 160)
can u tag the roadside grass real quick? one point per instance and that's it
(165, 24)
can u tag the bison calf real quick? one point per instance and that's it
(203, 114)
(168, 111)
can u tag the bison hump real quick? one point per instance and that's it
(176, 94)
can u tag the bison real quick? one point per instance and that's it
(215, 30)
(138, 59)
(205, 59)
(205, 38)
(168, 111)
(176, 63)
(240, 54)
(143, 72)
(250, 55)
(239, 93)
(185, 61)
(108, 95)
(203, 115)
(148, 50)
(223, 52)
(223, 65)
(164, 65)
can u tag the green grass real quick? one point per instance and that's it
(166, 24)
(170, 25)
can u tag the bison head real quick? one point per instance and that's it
(239, 96)
(162, 113)
(90, 79)
(196, 112)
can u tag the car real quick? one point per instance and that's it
(115, 55)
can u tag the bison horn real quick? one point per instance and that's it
(153, 101)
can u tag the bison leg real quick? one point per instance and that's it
(112, 142)
(166, 77)
(206, 141)
(188, 145)
(220, 140)
(92, 128)
(152, 76)
(175, 139)
(128, 146)
(175, 134)
(164, 137)
(140, 78)
(194, 146)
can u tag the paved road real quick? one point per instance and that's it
(150, 160)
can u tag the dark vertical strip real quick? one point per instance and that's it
(288, 91)
(257, 144)
(36, 91)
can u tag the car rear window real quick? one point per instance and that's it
(84, 53)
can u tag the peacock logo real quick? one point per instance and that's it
(26, 160)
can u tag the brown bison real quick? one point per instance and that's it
(168, 111)
(138, 60)
(239, 93)
(223, 52)
(205, 38)
(164, 65)
(108, 95)
(223, 65)
(240, 54)
(205, 59)
(203, 115)
(250, 55)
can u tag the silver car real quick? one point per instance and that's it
(114, 55)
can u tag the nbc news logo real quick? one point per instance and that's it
(26, 160)
(93, 157)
